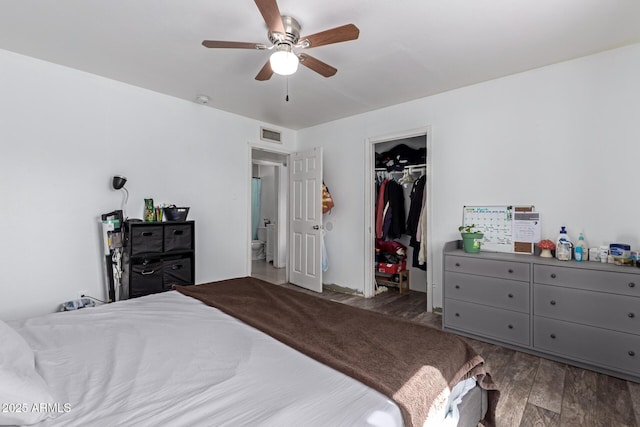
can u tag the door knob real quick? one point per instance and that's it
(316, 227)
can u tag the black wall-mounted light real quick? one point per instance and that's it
(119, 181)
(118, 184)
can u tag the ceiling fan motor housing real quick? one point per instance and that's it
(292, 32)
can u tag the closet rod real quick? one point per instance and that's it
(408, 167)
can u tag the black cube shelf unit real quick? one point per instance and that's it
(157, 256)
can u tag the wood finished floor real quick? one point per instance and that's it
(534, 391)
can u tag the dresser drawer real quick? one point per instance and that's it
(600, 309)
(503, 325)
(488, 267)
(602, 347)
(595, 280)
(501, 293)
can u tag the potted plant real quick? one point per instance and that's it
(471, 238)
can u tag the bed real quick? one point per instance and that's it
(176, 359)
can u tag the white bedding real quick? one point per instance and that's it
(168, 359)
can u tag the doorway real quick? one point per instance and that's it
(420, 139)
(269, 219)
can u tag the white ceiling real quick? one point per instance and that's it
(407, 49)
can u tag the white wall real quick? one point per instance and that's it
(64, 134)
(564, 138)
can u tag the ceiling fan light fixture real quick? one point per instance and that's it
(283, 61)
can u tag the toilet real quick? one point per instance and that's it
(257, 246)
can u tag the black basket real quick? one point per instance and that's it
(176, 214)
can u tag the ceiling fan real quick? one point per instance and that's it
(284, 34)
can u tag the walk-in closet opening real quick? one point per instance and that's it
(268, 229)
(399, 221)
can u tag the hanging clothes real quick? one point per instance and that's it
(380, 208)
(397, 223)
(413, 219)
(415, 207)
(422, 231)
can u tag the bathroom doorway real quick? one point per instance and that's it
(269, 220)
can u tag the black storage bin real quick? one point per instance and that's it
(176, 272)
(178, 237)
(146, 239)
(146, 279)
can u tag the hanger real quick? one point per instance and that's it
(407, 178)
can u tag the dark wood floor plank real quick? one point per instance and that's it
(613, 404)
(407, 306)
(535, 416)
(548, 386)
(634, 390)
(579, 399)
(515, 384)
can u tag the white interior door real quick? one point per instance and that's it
(305, 256)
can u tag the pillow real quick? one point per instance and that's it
(24, 395)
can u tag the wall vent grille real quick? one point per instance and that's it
(270, 135)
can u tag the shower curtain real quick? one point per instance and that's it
(255, 207)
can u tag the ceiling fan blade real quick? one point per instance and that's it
(265, 73)
(317, 65)
(271, 14)
(334, 35)
(232, 45)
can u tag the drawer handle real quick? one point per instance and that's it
(510, 326)
(457, 286)
(553, 275)
(510, 295)
(631, 315)
(511, 270)
(632, 285)
(632, 353)
(457, 314)
(552, 302)
(178, 232)
(457, 264)
(146, 273)
(146, 233)
(553, 336)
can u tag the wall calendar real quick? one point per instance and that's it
(496, 222)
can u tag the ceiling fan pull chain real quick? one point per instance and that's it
(287, 97)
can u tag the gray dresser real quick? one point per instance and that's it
(581, 313)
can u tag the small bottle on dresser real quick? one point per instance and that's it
(580, 252)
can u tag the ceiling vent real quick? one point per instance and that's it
(270, 135)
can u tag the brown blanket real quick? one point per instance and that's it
(411, 363)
